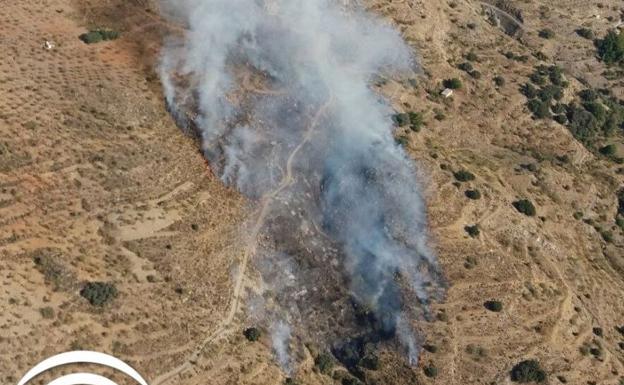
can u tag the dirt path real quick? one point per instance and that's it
(250, 249)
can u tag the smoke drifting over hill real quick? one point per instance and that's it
(286, 114)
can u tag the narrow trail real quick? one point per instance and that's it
(250, 249)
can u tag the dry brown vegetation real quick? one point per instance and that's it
(98, 185)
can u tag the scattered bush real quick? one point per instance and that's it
(611, 48)
(525, 207)
(252, 334)
(495, 306)
(608, 150)
(430, 348)
(597, 331)
(466, 66)
(546, 33)
(473, 194)
(528, 371)
(99, 293)
(585, 33)
(539, 108)
(416, 121)
(413, 119)
(475, 74)
(470, 262)
(453, 83)
(499, 81)
(370, 362)
(324, 362)
(98, 35)
(529, 91)
(430, 371)
(400, 119)
(47, 312)
(471, 56)
(473, 230)
(464, 176)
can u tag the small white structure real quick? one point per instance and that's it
(447, 92)
(48, 45)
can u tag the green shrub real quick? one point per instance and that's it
(529, 91)
(597, 110)
(475, 74)
(528, 371)
(525, 207)
(416, 121)
(91, 37)
(464, 175)
(588, 95)
(252, 334)
(499, 81)
(608, 150)
(471, 56)
(611, 48)
(324, 362)
(400, 119)
(99, 293)
(495, 306)
(585, 33)
(561, 119)
(47, 312)
(466, 66)
(98, 35)
(473, 194)
(539, 108)
(473, 230)
(546, 33)
(430, 371)
(538, 78)
(370, 362)
(453, 83)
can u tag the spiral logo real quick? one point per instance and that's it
(82, 357)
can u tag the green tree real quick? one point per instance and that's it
(99, 293)
(453, 83)
(611, 48)
(528, 371)
(525, 207)
(252, 334)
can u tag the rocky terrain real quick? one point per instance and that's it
(98, 185)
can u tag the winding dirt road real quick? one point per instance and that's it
(250, 249)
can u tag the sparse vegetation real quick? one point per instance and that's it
(473, 230)
(608, 150)
(47, 312)
(98, 35)
(252, 334)
(528, 371)
(464, 176)
(493, 305)
(499, 81)
(430, 371)
(546, 33)
(611, 48)
(525, 207)
(473, 194)
(453, 83)
(324, 362)
(585, 33)
(99, 293)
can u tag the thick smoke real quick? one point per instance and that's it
(280, 94)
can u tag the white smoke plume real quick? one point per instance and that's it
(280, 93)
(280, 336)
